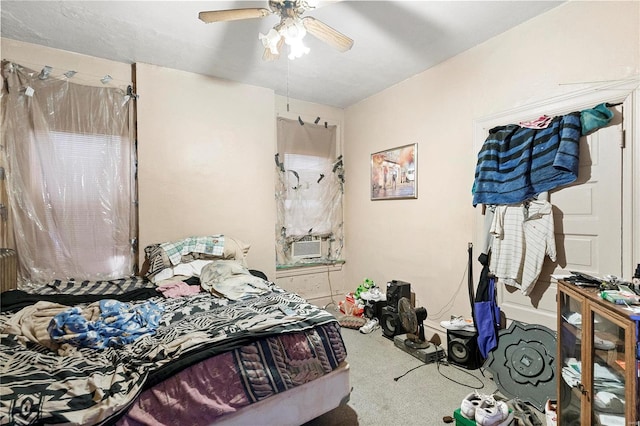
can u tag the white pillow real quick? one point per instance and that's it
(189, 269)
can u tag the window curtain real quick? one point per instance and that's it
(69, 165)
(6, 233)
(309, 189)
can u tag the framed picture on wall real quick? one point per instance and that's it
(394, 173)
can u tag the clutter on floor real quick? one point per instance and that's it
(551, 412)
(351, 321)
(523, 364)
(368, 309)
(458, 323)
(485, 410)
(371, 325)
(355, 302)
(359, 307)
(495, 410)
(431, 353)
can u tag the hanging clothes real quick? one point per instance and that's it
(595, 118)
(522, 235)
(541, 122)
(516, 163)
(487, 317)
(482, 291)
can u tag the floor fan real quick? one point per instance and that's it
(413, 322)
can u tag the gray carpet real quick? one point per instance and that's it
(392, 387)
(421, 397)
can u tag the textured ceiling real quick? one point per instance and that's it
(394, 40)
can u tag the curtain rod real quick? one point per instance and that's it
(306, 118)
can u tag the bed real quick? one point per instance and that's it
(199, 358)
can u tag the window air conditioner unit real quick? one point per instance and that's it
(306, 249)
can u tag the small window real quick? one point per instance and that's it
(309, 193)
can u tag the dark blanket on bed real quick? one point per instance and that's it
(42, 383)
(14, 300)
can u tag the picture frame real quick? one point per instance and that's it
(394, 173)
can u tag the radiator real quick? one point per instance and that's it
(8, 269)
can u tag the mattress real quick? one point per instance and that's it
(220, 386)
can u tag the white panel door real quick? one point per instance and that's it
(588, 214)
(588, 226)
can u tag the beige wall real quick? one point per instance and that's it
(206, 163)
(205, 149)
(424, 241)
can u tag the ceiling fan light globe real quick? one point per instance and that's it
(293, 29)
(270, 40)
(297, 48)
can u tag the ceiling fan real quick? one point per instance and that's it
(290, 30)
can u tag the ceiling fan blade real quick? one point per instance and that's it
(327, 34)
(232, 14)
(269, 56)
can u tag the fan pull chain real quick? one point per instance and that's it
(288, 86)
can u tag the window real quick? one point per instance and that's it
(70, 179)
(83, 176)
(305, 209)
(309, 193)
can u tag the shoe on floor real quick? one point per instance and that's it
(469, 405)
(458, 323)
(551, 412)
(371, 325)
(522, 414)
(373, 295)
(493, 413)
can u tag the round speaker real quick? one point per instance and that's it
(458, 350)
(462, 349)
(389, 323)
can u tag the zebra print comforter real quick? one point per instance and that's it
(45, 384)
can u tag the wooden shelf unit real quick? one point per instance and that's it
(598, 347)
